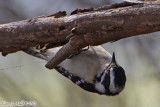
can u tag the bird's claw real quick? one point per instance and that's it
(78, 52)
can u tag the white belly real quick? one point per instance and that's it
(88, 63)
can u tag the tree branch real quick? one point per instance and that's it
(88, 27)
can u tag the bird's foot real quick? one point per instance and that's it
(78, 52)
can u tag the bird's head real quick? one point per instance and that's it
(112, 80)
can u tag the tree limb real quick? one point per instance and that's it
(83, 28)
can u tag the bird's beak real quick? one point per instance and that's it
(113, 59)
(113, 62)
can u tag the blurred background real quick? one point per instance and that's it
(23, 77)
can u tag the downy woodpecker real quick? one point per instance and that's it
(94, 70)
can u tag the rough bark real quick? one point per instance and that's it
(84, 27)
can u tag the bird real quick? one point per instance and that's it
(94, 70)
